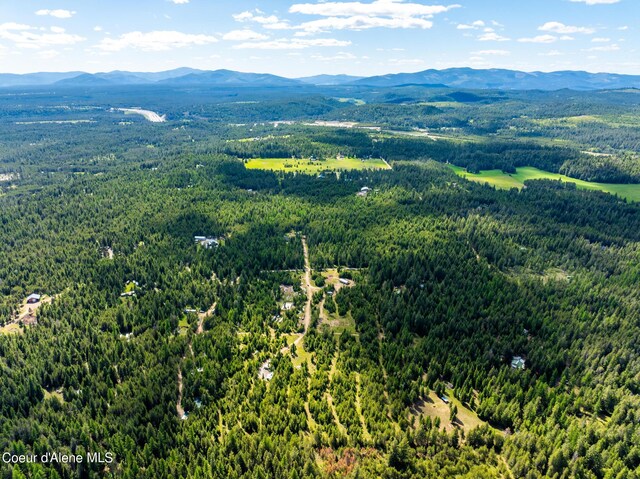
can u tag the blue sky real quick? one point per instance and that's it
(307, 37)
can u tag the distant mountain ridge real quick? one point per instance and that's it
(463, 78)
(506, 79)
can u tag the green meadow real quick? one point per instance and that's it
(315, 166)
(503, 180)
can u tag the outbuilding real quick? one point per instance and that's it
(33, 299)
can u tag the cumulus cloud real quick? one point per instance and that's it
(293, 44)
(350, 16)
(471, 26)
(258, 16)
(26, 36)
(361, 16)
(605, 48)
(596, 2)
(551, 53)
(362, 22)
(539, 39)
(179, 2)
(336, 57)
(600, 40)
(387, 8)
(499, 53)
(154, 41)
(244, 35)
(492, 37)
(557, 27)
(56, 13)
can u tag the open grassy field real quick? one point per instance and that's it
(311, 167)
(434, 407)
(516, 180)
(615, 121)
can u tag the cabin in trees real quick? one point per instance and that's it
(517, 362)
(207, 242)
(364, 191)
(33, 299)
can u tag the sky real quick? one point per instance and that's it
(309, 37)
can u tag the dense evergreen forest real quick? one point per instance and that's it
(400, 323)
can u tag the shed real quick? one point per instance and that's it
(33, 298)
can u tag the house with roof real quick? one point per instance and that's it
(517, 362)
(33, 298)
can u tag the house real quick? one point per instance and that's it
(207, 242)
(210, 243)
(287, 306)
(517, 362)
(265, 371)
(33, 299)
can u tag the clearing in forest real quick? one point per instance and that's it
(435, 407)
(502, 180)
(316, 166)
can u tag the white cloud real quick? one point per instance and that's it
(56, 13)
(362, 22)
(596, 2)
(293, 44)
(350, 16)
(258, 17)
(24, 36)
(154, 41)
(361, 16)
(385, 8)
(623, 28)
(471, 26)
(97, 28)
(551, 53)
(539, 39)
(500, 53)
(244, 36)
(557, 27)
(600, 40)
(605, 48)
(492, 37)
(406, 61)
(337, 56)
(179, 2)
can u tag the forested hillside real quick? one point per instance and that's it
(401, 323)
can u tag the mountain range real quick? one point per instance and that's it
(467, 78)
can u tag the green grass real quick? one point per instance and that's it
(12, 328)
(51, 395)
(183, 325)
(307, 166)
(505, 181)
(614, 121)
